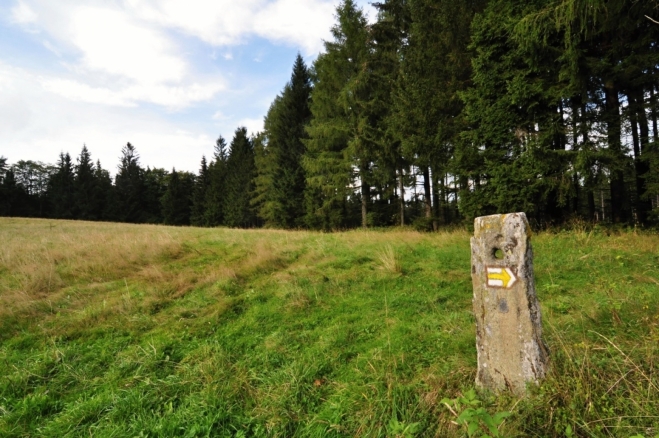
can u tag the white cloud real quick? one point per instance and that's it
(220, 22)
(218, 115)
(15, 113)
(293, 21)
(37, 124)
(253, 125)
(23, 14)
(52, 48)
(118, 63)
(167, 96)
(176, 97)
(8, 76)
(113, 43)
(84, 93)
(228, 22)
(113, 57)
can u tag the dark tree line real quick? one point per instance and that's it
(84, 190)
(438, 112)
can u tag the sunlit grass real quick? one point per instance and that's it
(122, 330)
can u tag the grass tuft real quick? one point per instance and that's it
(388, 260)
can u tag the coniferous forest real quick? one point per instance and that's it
(438, 112)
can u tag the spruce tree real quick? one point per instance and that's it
(199, 193)
(280, 183)
(176, 201)
(4, 192)
(3, 167)
(4, 189)
(104, 204)
(10, 193)
(594, 63)
(214, 208)
(155, 185)
(61, 189)
(263, 199)
(32, 180)
(238, 187)
(130, 187)
(514, 157)
(84, 187)
(339, 150)
(435, 68)
(390, 169)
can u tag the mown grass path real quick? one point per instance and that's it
(135, 330)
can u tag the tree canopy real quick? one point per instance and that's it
(436, 112)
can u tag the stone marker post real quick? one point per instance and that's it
(508, 322)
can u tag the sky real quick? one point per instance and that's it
(168, 76)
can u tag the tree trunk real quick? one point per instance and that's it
(401, 198)
(653, 113)
(414, 183)
(575, 148)
(560, 140)
(591, 205)
(633, 103)
(446, 190)
(427, 196)
(365, 205)
(437, 185)
(640, 165)
(585, 149)
(617, 183)
(366, 193)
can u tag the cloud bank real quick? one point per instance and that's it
(109, 71)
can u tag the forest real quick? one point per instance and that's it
(437, 112)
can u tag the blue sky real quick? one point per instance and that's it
(167, 75)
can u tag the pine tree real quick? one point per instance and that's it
(155, 186)
(199, 193)
(5, 189)
(435, 68)
(32, 179)
(176, 201)
(515, 154)
(84, 187)
(61, 189)
(10, 193)
(3, 167)
(238, 187)
(389, 170)
(582, 79)
(339, 151)
(263, 199)
(130, 187)
(280, 183)
(104, 204)
(214, 214)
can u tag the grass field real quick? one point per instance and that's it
(135, 330)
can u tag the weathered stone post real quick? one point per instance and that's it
(509, 342)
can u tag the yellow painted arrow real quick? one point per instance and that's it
(500, 277)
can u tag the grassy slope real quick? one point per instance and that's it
(121, 330)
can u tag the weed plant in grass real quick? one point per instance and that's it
(137, 330)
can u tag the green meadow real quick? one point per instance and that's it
(116, 330)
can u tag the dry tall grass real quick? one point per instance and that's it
(45, 261)
(388, 260)
(41, 257)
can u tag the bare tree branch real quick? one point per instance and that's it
(652, 20)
